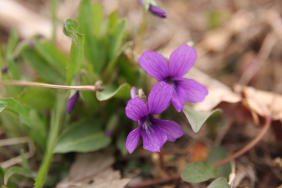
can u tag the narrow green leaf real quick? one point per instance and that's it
(198, 172)
(42, 67)
(53, 55)
(219, 183)
(75, 58)
(116, 35)
(83, 136)
(12, 42)
(97, 19)
(123, 91)
(217, 154)
(93, 49)
(53, 9)
(25, 164)
(197, 119)
(20, 171)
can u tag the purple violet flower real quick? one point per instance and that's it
(155, 10)
(155, 132)
(180, 62)
(71, 102)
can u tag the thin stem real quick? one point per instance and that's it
(228, 159)
(96, 87)
(248, 146)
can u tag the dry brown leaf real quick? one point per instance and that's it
(94, 170)
(262, 103)
(199, 152)
(88, 165)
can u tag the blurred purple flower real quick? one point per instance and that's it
(155, 10)
(155, 132)
(71, 102)
(180, 62)
(4, 69)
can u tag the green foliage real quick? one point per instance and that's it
(198, 172)
(123, 91)
(83, 136)
(197, 119)
(217, 154)
(77, 49)
(42, 66)
(219, 183)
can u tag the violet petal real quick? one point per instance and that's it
(136, 109)
(140, 2)
(157, 11)
(72, 101)
(195, 92)
(171, 128)
(178, 98)
(154, 64)
(153, 138)
(182, 60)
(159, 97)
(133, 140)
(133, 92)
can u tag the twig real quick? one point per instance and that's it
(248, 146)
(96, 87)
(18, 159)
(226, 160)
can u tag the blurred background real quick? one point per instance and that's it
(237, 41)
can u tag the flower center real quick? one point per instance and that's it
(147, 122)
(170, 81)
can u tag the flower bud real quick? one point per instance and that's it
(71, 102)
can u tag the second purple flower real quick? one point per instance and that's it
(180, 62)
(155, 132)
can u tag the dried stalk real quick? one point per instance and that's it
(96, 87)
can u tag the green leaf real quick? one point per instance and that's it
(83, 136)
(77, 49)
(219, 183)
(121, 141)
(115, 43)
(27, 116)
(217, 154)
(198, 172)
(97, 19)
(70, 27)
(12, 42)
(123, 91)
(42, 67)
(30, 97)
(25, 164)
(197, 119)
(53, 55)
(116, 36)
(20, 171)
(75, 58)
(93, 49)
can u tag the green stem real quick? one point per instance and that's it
(54, 19)
(57, 118)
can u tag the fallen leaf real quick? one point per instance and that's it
(199, 152)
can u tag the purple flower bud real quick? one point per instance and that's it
(5, 69)
(71, 102)
(155, 10)
(133, 92)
